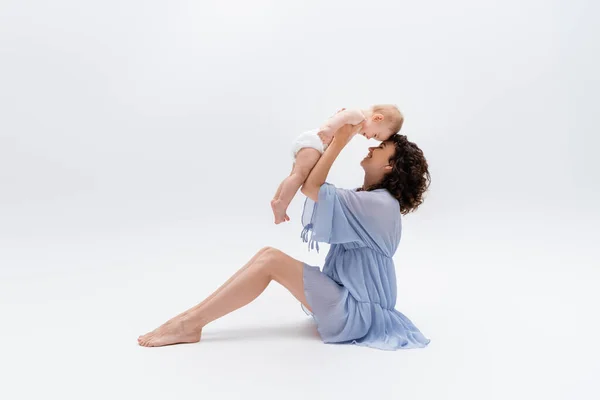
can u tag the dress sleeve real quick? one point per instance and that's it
(355, 219)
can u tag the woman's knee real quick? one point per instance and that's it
(269, 258)
(269, 251)
(264, 250)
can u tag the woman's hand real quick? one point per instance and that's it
(318, 174)
(345, 133)
(325, 139)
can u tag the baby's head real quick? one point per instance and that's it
(384, 121)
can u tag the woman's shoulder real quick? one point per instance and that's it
(380, 195)
(379, 199)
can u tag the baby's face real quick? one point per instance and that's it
(378, 130)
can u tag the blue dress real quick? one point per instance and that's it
(353, 299)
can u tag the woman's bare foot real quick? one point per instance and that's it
(279, 211)
(172, 332)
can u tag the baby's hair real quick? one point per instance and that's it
(392, 114)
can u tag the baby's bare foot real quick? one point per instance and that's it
(279, 211)
(170, 333)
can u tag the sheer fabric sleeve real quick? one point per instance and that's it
(355, 219)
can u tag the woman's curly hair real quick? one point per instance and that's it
(409, 179)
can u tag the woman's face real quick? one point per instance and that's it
(378, 157)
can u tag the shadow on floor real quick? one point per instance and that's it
(305, 329)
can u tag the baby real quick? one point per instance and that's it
(379, 122)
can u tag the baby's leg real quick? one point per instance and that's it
(306, 159)
(276, 201)
(278, 192)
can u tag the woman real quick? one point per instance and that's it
(353, 299)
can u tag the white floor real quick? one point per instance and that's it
(510, 317)
(141, 142)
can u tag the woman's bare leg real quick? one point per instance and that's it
(306, 159)
(269, 264)
(234, 276)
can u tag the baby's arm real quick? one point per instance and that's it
(352, 117)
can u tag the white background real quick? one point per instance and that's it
(141, 143)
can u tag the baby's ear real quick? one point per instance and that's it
(378, 117)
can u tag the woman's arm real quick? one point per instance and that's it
(352, 117)
(319, 173)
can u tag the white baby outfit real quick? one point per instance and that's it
(308, 139)
(311, 138)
